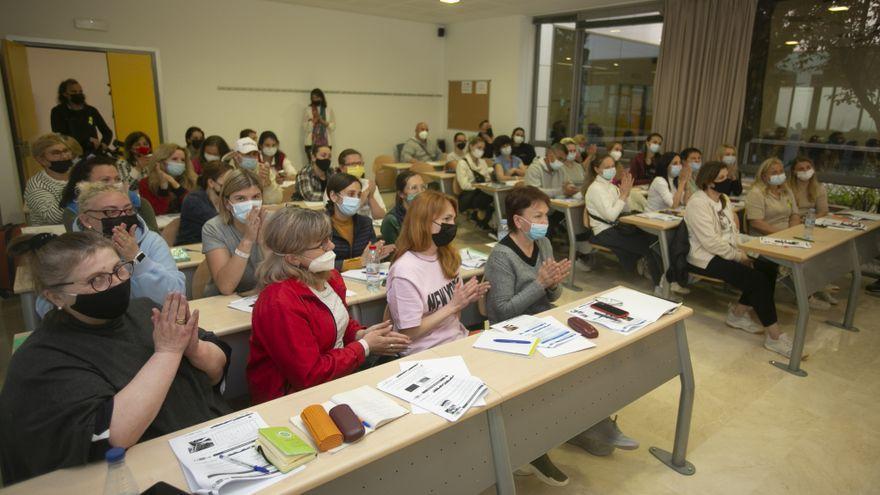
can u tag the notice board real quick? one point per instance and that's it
(468, 104)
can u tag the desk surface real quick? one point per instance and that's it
(493, 187)
(825, 239)
(399, 166)
(505, 375)
(438, 175)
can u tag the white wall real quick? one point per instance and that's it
(502, 50)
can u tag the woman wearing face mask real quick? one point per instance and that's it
(573, 170)
(486, 133)
(425, 292)
(202, 204)
(642, 166)
(42, 194)
(691, 158)
(353, 234)
(75, 118)
(311, 181)
(230, 240)
(726, 154)
(521, 149)
(372, 205)
(669, 188)
(459, 151)
(104, 369)
(136, 156)
(713, 231)
(408, 185)
(213, 149)
(770, 204)
(246, 155)
(605, 202)
(318, 122)
(507, 166)
(107, 209)
(100, 169)
(195, 138)
(170, 178)
(473, 170)
(302, 332)
(272, 155)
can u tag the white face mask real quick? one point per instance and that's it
(654, 147)
(477, 152)
(805, 175)
(241, 210)
(616, 154)
(571, 156)
(556, 165)
(211, 158)
(423, 135)
(728, 159)
(518, 139)
(323, 263)
(506, 150)
(135, 173)
(270, 150)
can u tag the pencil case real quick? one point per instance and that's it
(322, 429)
(348, 423)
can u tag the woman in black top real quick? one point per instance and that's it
(352, 234)
(101, 371)
(75, 118)
(522, 149)
(202, 204)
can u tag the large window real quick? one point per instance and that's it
(814, 87)
(595, 77)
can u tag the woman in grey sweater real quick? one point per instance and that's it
(525, 280)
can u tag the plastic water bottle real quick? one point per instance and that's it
(371, 268)
(809, 224)
(502, 229)
(119, 478)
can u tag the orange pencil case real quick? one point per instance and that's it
(321, 427)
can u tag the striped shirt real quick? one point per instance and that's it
(42, 195)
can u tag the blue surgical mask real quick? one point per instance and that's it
(175, 169)
(609, 173)
(674, 170)
(556, 165)
(411, 197)
(537, 230)
(249, 162)
(349, 206)
(777, 180)
(695, 166)
(240, 210)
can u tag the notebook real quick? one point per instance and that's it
(284, 448)
(513, 344)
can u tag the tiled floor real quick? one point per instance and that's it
(755, 428)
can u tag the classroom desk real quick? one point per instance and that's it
(398, 167)
(572, 209)
(530, 408)
(833, 253)
(43, 229)
(443, 178)
(498, 191)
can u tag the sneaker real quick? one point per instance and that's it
(782, 345)
(582, 265)
(827, 297)
(873, 288)
(818, 304)
(678, 289)
(545, 470)
(604, 434)
(642, 269)
(742, 322)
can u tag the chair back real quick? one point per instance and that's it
(200, 280)
(384, 175)
(169, 233)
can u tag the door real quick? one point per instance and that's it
(21, 99)
(133, 90)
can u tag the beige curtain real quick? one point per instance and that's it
(700, 84)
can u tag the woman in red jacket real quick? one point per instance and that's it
(302, 333)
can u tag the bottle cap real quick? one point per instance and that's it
(115, 454)
(372, 247)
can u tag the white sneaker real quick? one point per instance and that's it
(678, 289)
(742, 322)
(782, 345)
(818, 304)
(827, 297)
(582, 265)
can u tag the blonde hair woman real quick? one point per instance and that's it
(770, 204)
(302, 332)
(808, 191)
(726, 154)
(42, 194)
(170, 176)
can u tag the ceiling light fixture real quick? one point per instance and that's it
(791, 43)
(614, 31)
(838, 8)
(616, 64)
(450, 2)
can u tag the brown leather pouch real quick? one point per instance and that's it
(348, 423)
(327, 436)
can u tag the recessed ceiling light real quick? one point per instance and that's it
(567, 58)
(838, 8)
(614, 31)
(791, 42)
(449, 1)
(616, 64)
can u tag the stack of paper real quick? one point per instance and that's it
(493, 340)
(642, 308)
(445, 394)
(863, 215)
(245, 304)
(453, 364)
(555, 339)
(473, 259)
(656, 215)
(837, 224)
(788, 243)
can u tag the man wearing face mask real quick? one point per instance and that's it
(418, 148)
(311, 181)
(42, 194)
(107, 209)
(246, 155)
(372, 205)
(546, 173)
(79, 120)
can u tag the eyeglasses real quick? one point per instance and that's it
(114, 213)
(321, 245)
(354, 164)
(103, 281)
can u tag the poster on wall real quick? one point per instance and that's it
(482, 87)
(467, 87)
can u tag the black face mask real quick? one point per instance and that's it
(446, 234)
(317, 103)
(489, 132)
(723, 187)
(60, 166)
(107, 224)
(197, 143)
(323, 164)
(460, 145)
(78, 98)
(107, 305)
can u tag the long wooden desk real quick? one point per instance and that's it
(533, 405)
(443, 178)
(497, 191)
(833, 253)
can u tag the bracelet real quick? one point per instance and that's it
(242, 254)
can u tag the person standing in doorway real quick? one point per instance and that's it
(318, 122)
(79, 120)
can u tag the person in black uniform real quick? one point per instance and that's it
(75, 118)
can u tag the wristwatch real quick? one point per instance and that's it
(139, 257)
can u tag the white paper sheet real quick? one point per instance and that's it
(444, 394)
(522, 346)
(579, 343)
(786, 243)
(864, 215)
(556, 338)
(245, 304)
(360, 274)
(452, 364)
(471, 258)
(656, 215)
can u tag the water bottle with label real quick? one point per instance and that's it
(119, 478)
(809, 224)
(371, 268)
(502, 229)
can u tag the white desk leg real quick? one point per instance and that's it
(500, 455)
(496, 196)
(676, 460)
(29, 310)
(800, 329)
(572, 250)
(855, 287)
(443, 187)
(664, 255)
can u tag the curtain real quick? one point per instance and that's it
(700, 83)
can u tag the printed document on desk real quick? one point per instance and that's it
(452, 364)
(643, 310)
(444, 394)
(245, 304)
(556, 339)
(471, 258)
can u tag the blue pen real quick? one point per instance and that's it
(511, 341)
(366, 424)
(259, 469)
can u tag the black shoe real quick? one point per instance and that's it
(545, 470)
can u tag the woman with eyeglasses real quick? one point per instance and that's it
(302, 332)
(104, 369)
(107, 209)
